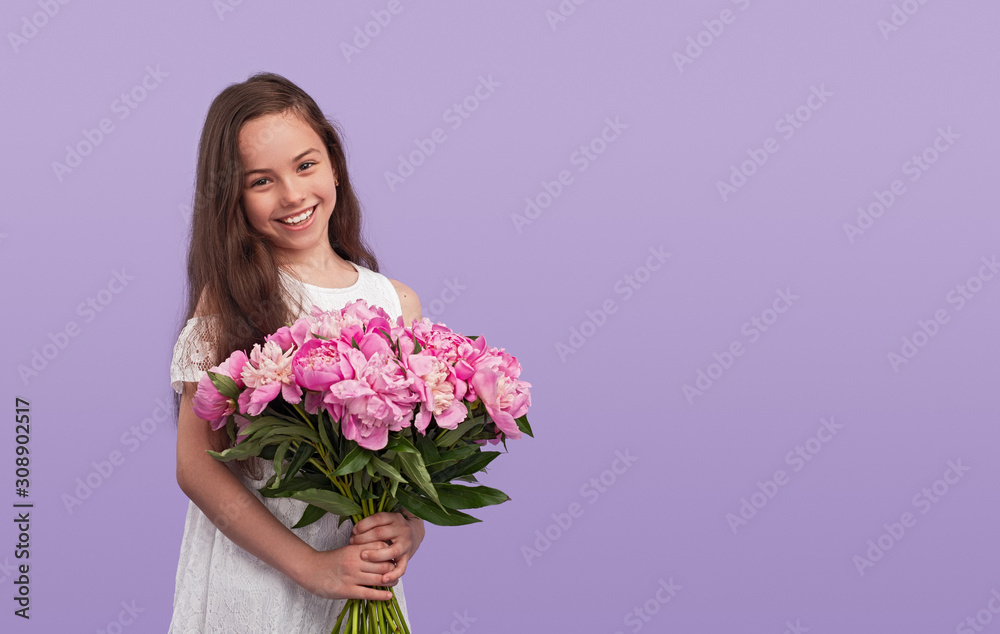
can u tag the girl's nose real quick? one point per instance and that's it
(291, 194)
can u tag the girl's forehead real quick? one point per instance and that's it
(275, 134)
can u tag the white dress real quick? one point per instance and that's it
(221, 588)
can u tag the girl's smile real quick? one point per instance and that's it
(298, 220)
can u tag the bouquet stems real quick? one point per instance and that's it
(361, 616)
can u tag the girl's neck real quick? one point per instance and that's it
(323, 268)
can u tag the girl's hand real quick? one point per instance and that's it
(402, 533)
(342, 573)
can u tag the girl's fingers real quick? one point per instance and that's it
(372, 521)
(377, 568)
(394, 574)
(380, 533)
(387, 553)
(371, 594)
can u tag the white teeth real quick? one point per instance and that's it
(299, 219)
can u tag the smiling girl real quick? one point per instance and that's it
(276, 228)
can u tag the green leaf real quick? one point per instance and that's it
(279, 458)
(302, 431)
(422, 508)
(225, 385)
(413, 467)
(231, 428)
(262, 423)
(356, 485)
(522, 424)
(301, 456)
(267, 449)
(452, 456)
(310, 515)
(427, 449)
(470, 465)
(451, 436)
(400, 444)
(354, 461)
(325, 440)
(329, 501)
(457, 496)
(245, 449)
(387, 470)
(291, 485)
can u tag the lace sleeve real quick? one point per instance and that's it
(192, 352)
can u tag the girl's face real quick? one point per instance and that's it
(289, 188)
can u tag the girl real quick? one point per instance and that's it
(276, 228)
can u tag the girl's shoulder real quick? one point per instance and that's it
(408, 300)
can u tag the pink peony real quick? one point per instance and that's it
(505, 396)
(327, 324)
(316, 366)
(267, 374)
(439, 389)
(359, 309)
(378, 400)
(455, 350)
(208, 403)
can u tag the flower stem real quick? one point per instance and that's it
(394, 606)
(340, 620)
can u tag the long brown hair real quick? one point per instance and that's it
(231, 268)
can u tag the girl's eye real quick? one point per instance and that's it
(257, 182)
(309, 163)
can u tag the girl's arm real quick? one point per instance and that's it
(243, 518)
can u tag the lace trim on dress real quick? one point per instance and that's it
(193, 351)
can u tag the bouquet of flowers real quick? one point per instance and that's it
(359, 416)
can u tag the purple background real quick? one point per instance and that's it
(526, 285)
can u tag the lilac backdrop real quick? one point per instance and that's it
(695, 167)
